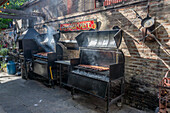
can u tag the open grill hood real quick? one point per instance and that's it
(31, 33)
(31, 42)
(100, 39)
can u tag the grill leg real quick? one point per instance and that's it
(23, 72)
(60, 77)
(25, 76)
(122, 89)
(120, 103)
(72, 93)
(108, 98)
(51, 83)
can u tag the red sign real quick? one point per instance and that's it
(78, 26)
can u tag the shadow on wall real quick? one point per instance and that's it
(146, 63)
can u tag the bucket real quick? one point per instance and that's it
(11, 68)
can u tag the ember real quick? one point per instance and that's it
(99, 68)
(44, 53)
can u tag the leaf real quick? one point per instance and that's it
(3, 51)
(13, 4)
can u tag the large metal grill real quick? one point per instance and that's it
(39, 57)
(100, 64)
(42, 61)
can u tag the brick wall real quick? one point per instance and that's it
(146, 63)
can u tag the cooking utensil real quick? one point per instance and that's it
(148, 21)
(147, 24)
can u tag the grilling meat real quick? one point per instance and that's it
(99, 68)
(44, 53)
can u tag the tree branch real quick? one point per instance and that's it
(7, 16)
(18, 12)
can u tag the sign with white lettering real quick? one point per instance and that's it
(79, 26)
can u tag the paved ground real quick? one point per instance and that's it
(20, 96)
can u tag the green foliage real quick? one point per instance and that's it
(4, 23)
(3, 51)
(13, 4)
(3, 65)
(1, 46)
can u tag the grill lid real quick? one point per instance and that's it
(110, 38)
(31, 34)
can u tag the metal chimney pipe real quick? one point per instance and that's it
(31, 23)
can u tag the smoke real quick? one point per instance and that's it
(89, 57)
(49, 37)
(48, 43)
(98, 57)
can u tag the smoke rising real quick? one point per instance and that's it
(50, 38)
(97, 57)
(47, 40)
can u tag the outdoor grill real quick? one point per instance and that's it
(100, 64)
(43, 62)
(39, 56)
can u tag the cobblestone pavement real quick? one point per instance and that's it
(21, 96)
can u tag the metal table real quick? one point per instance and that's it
(61, 72)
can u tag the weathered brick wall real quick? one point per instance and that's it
(146, 63)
